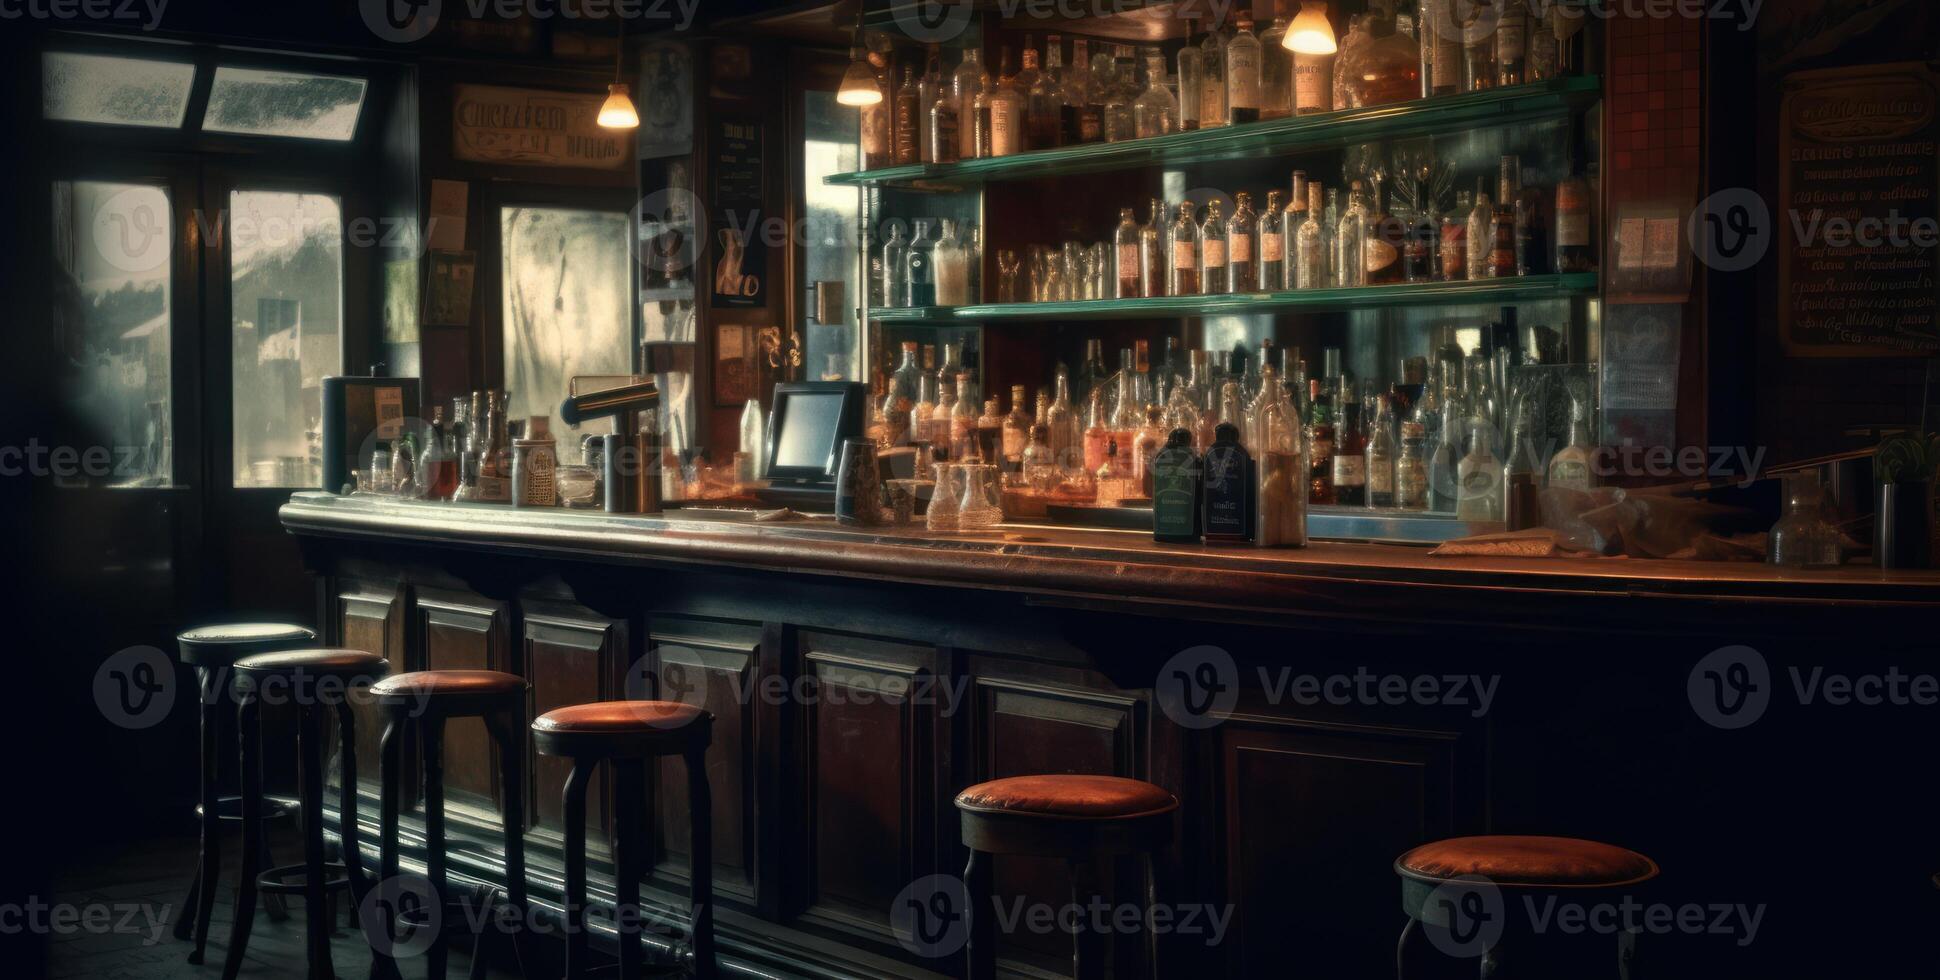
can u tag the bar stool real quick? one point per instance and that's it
(1515, 868)
(434, 697)
(312, 680)
(211, 651)
(626, 734)
(1083, 819)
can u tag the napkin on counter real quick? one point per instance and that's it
(1538, 542)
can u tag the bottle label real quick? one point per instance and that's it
(1350, 470)
(1572, 216)
(1091, 124)
(1003, 128)
(1273, 248)
(1212, 102)
(1215, 253)
(1312, 81)
(1380, 255)
(1184, 255)
(1128, 262)
(1242, 248)
(1380, 479)
(1243, 77)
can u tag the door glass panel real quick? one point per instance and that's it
(286, 285)
(567, 302)
(829, 251)
(112, 244)
(283, 103)
(126, 91)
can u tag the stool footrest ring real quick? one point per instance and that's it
(291, 879)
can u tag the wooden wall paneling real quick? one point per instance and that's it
(868, 767)
(571, 656)
(712, 665)
(463, 631)
(368, 616)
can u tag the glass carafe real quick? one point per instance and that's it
(1802, 538)
(982, 504)
(942, 514)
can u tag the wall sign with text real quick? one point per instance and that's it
(533, 127)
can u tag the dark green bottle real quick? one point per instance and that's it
(1175, 491)
(1228, 492)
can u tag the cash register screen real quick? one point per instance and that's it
(809, 426)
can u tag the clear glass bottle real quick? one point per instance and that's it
(878, 128)
(935, 427)
(1156, 111)
(1351, 239)
(1126, 263)
(1120, 99)
(945, 136)
(1192, 78)
(1128, 405)
(1512, 42)
(1040, 467)
(1006, 104)
(1379, 457)
(1478, 477)
(1454, 239)
(1017, 426)
(1313, 83)
(1152, 252)
(927, 88)
(920, 279)
(1420, 254)
(1542, 62)
(963, 419)
(899, 402)
(1532, 227)
(908, 111)
(968, 83)
(1084, 115)
(1183, 242)
(1242, 246)
(1273, 245)
(895, 266)
(1067, 432)
(1243, 69)
(952, 267)
(1411, 469)
(1212, 252)
(1212, 72)
(1044, 116)
(1441, 48)
(1330, 230)
(1570, 468)
(941, 515)
(1276, 67)
(1445, 456)
(1802, 538)
(1310, 245)
(1478, 45)
(990, 433)
(1481, 233)
(1112, 478)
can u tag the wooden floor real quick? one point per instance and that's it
(151, 877)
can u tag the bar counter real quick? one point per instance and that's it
(862, 676)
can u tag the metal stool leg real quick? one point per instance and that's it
(431, 735)
(1087, 946)
(700, 872)
(316, 892)
(249, 737)
(382, 925)
(211, 856)
(629, 808)
(980, 952)
(575, 817)
(1151, 903)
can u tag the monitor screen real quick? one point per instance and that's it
(809, 430)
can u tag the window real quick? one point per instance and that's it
(97, 88)
(112, 243)
(829, 252)
(567, 302)
(286, 320)
(283, 103)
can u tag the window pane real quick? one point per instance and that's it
(286, 286)
(283, 103)
(112, 244)
(125, 91)
(566, 301)
(833, 213)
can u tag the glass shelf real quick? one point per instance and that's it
(1520, 289)
(1441, 114)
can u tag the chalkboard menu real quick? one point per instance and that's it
(1859, 264)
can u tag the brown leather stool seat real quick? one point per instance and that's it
(454, 691)
(1070, 797)
(335, 663)
(615, 729)
(1549, 862)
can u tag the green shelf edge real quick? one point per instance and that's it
(1277, 136)
(1465, 292)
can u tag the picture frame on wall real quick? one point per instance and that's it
(666, 100)
(737, 364)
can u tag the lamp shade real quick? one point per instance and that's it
(859, 86)
(617, 111)
(1311, 32)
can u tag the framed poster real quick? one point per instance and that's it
(1857, 161)
(739, 250)
(534, 127)
(452, 275)
(666, 100)
(737, 365)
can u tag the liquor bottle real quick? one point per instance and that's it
(927, 88)
(1125, 249)
(1176, 507)
(878, 128)
(1006, 105)
(1151, 253)
(1044, 118)
(1454, 239)
(1445, 456)
(1112, 478)
(1212, 251)
(1119, 99)
(1570, 467)
(990, 433)
(1273, 245)
(1441, 48)
(1387, 238)
(1067, 433)
(1574, 251)
(907, 128)
(920, 279)
(1313, 83)
(1502, 241)
(1276, 67)
(1479, 477)
(1198, 397)
(1310, 245)
(1171, 373)
(895, 266)
(952, 266)
(1145, 383)
(1156, 112)
(1541, 63)
(945, 140)
(936, 428)
(967, 84)
(1242, 257)
(900, 400)
(1146, 444)
(1017, 426)
(1351, 242)
(1478, 45)
(1101, 87)
(1511, 42)
(1411, 469)
(1093, 376)
(963, 419)
(1531, 230)
(1522, 472)
(1212, 88)
(1192, 78)
(1087, 115)
(1350, 452)
(1379, 457)
(1127, 407)
(1330, 231)
(1267, 411)
(1320, 444)
(1481, 233)
(1420, 254)
(1228, 493)
(1243, 74)
(1183, 241)
(1097, 432)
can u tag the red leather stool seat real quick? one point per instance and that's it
(1539, 861)
(1068, 797)
(618, 728)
